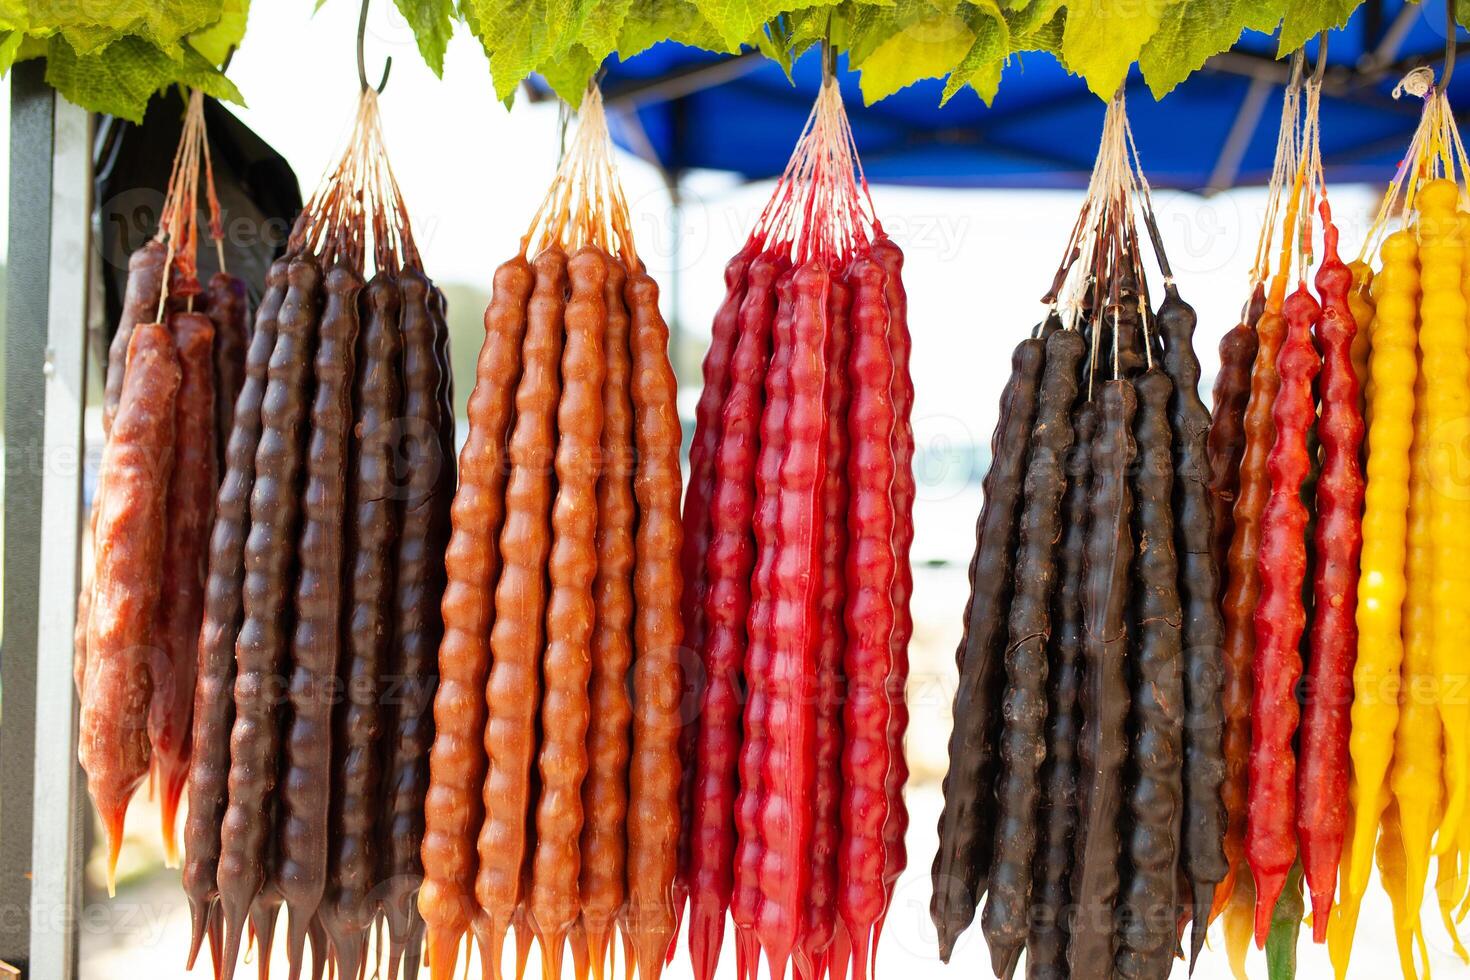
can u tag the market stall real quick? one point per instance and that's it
(556, 684)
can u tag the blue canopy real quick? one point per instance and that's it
(683, 109)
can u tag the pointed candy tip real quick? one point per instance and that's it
(706, 935)
(173, 791)
(524, 935)
(233, 925)
(776, 960)
(1003, 959)
(113, 818)
(599, 944)
(297, 927)
(577, 940)
(1204, 903)
(679, 906)
(839, 954)
(1008, 968)
(1268, 890)
(747, 954)
(650, 945)
(553, 944)
(443, 943)
(859, 947)
(1321, 915)
(199, 918)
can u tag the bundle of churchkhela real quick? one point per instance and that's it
(553, 804)
(1082, 801)
(1240, 442)
(321, 619)
(172, 373)
(1287, 490)
(1410, 735)
(797, 527)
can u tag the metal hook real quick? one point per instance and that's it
(1321, 68)
(1450, 43)
(1298, 62)
(829, 54)
(361, 62)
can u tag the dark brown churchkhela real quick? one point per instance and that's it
(418, 624)
(1203, 853)
(1146, 918)
(214, 704)
(1024, 708)
(228, 308)
(305, 783)
(372, 518)
(326, 591)
(1113, 675)
(1226, 441)
(966, 826)
(1046, 946)
(262, 646)
(1103, 745)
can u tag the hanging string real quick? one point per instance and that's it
(178, 221)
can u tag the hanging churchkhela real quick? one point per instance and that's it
(1410, 738)
(1082, 802)
(1241, 441)
(308, 778)
(172, 375)
(553, 804)
(797, 528)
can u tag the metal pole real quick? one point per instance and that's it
(32, 111)
(58, 851)
(676, 266)
(1227, 164)
(45, 376)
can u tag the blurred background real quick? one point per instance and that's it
(977, 262)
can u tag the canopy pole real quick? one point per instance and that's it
(58, 847)
(674, 182)
(1232, 154)
(45, 354)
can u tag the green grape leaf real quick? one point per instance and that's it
(216, 41)
(88, 26)
(1045, 37)
(982, 64)
(432, 23)
(1031, 17)
(121, 78)
(734, 20)
(604, 22)
(924, 49)
(568, 75)
(9, 47)
(773, 41)
(1191, 31)
(737, 21)
(521, 35)
(1305, 18)
(1102, 40)
(651, 21)
(869, 27)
